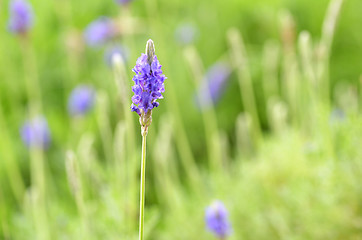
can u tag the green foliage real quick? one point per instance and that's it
(286, 168)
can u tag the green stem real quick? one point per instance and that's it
(142, 188)
(240, 59)
(208, 115)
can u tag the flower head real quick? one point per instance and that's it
(98, 32)
(115, 49)
(123, 2)
(35, 133)
(213, 85)
(81, 100)
(216, 219)
(337, 116)
(186, 33)
(149, 84)
(148, 87)
(21, 16)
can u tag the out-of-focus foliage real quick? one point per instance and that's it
(279, 146)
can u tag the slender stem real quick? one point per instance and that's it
(142, 189)
(240, 59)
(208, 115)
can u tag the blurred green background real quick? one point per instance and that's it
(280, 147)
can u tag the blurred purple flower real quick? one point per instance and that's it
(149, 84)
(216, 218)
(35, 133)
(337, 116)
(115, 49)
(81, 100)
(21, 16)
(186, 33)
(123, 2)
(98, 32)
(213, 84)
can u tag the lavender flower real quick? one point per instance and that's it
(337, 115)
(35, 133)
(149, 86)
(216, 219)
(186, 33)
(115, 49)
(21, 16)
(149, 82)
(98, 32)
(123, 2)
(81, 100)
(213, 84)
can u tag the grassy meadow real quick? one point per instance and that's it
(261, 111)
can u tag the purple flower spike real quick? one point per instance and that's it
(216, 219)
(115, 49)
(149, 86)
(149, 83)
(21, 17)
(123, 2)
(35, 133)
(337, 116)
(186, 34)
(98, 32)
(81, 100)
(213, 85)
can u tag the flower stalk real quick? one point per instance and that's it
(143, 186)
(148, 88)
